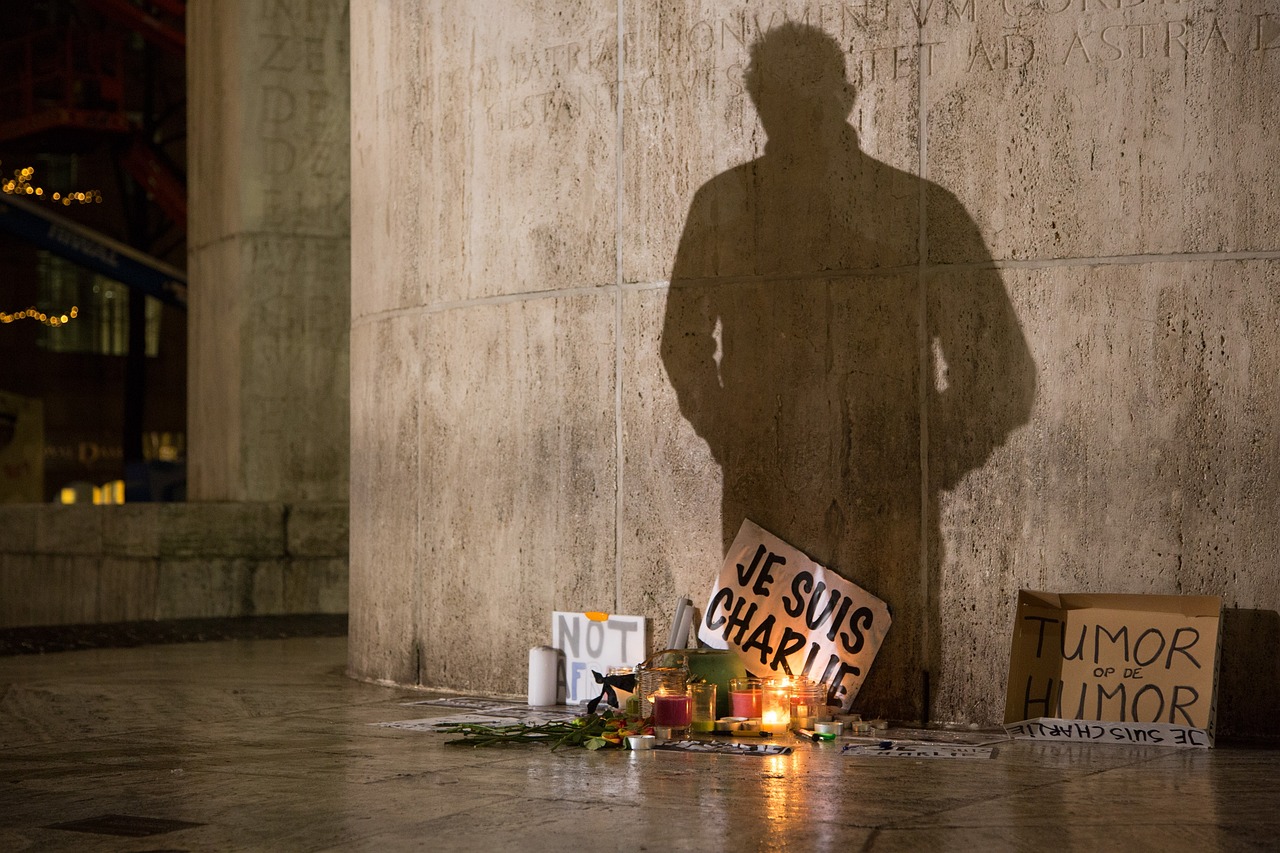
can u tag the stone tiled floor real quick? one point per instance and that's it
(267, 746)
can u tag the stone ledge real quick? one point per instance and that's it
(119, 635)
(64, 565)
(316, 530)
(210, 529)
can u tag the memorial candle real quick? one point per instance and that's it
(702, 716)
(808, 703)
(776, 704)
(672, 709)
(744, 696)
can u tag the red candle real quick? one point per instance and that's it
(746, 703)
(672, 710)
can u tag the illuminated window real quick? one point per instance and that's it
(102, 326)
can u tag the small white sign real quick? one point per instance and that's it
(594, 641)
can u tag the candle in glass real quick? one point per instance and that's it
(744, 696)
(775, 704)
(808, 702)
(702, 696)
(671, 710)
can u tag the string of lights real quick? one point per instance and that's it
(34, 313)
(21, 184)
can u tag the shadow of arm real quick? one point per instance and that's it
(984, 377)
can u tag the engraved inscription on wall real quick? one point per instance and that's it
(1089, 32)
(888, 43)
(299, 62)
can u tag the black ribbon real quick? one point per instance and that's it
(626, 681)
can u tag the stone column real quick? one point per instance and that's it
(269, 181)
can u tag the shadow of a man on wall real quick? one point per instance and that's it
(810, 344)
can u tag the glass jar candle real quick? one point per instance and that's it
(672, 711)
(775, 704)
(666, 672)
(808, 703)
(702, 712)
(744, 697)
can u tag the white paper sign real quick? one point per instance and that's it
(1161, 734)
(772, 604)
(594, 641)
(917, 750)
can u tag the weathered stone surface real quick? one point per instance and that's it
(230, 560)
(208, 588)
(1095, 129)
(19, 521)
(517, 498)
(283, 426)
(1036, 368)
(126, 590)
(315, 586)
(413, 230)
(20, 572)
(386, 546)
(73, 529)
(535, 148)
(688, 114)
(269, 251)
(671, 526)
(513, 156)
(1146, 467)
(316, 530)
(294, 395)
(214, 365)
(272, 132)
(48, 590)
(223, 530)
(214, 77)
(133, 530)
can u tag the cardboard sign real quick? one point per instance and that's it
(1144, 665)
(781, 611)
(594, 641)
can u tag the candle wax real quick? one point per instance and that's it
(673, 710)
(746, 703)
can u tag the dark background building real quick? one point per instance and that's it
(93, 132)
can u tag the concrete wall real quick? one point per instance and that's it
(78, 565)
(269, 250)
(1014, 327)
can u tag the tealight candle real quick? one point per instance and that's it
(640, 741)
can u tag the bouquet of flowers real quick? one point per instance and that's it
(593, 731)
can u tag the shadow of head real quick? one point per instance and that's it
(796, 78)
